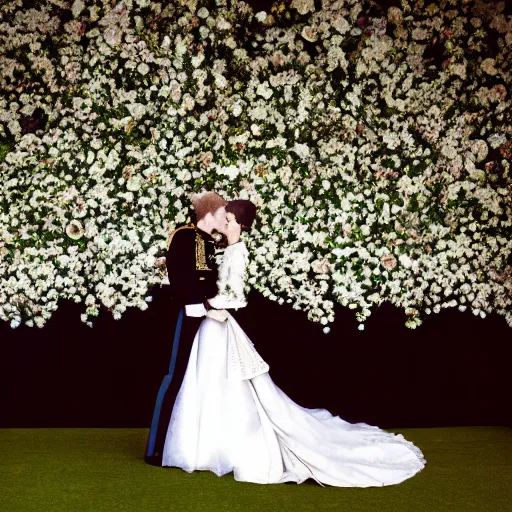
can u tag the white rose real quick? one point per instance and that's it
(405, 260)
(261, 16)
(303, 6)
(301, 149)
(143, 68)
(255, 129)
(232, 171)
(309, 34)
(134, 183)
(197, 60)
(340, 24)
(264, 90)
(222, 24)
(488, 66)
(220, 81)
(203, 13)
(137, 110)
(237, 109)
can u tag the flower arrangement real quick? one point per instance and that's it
(376, 142)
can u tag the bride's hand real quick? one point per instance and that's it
(221, 315)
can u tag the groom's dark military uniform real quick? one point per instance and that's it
(192, 273)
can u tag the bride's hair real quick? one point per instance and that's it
(244, 212)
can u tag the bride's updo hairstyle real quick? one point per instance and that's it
(244, 212)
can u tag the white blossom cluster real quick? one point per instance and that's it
(377, 145)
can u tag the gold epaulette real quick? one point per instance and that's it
(187, 226)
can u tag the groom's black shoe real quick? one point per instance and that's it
(153, 460)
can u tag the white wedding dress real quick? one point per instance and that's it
(230, 416)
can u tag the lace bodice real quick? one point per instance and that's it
(232, 278)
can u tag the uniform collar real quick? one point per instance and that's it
(206, 236)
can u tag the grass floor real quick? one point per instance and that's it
(100, 469)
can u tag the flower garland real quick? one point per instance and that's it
(376, 143)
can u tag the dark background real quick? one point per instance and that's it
(451, 371)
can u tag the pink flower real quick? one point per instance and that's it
(389, 261)
(498, 92)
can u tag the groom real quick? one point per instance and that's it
(192, 273)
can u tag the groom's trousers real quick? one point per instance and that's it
(186, 329)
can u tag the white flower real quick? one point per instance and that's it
(75, 230)
(221, 81)
(496, 140)
(264, 90)
(134, 183)
(222, 24)
(232, 171)
(237, 109)
(203, 12)
(459, 69)
(488, 66)
(137, 110)
(405, 260)
(261, 16)
(260, 113)
(321, 266)
(340, 23)
(303, 6)
(479, 148)
(180, 48)
(395, 15)
(230, 43)
(143, 68)
(419, 34)
(309, 34)
(197, 60)
(77, 7)
(166, 42)
(302, 150)
(255, 129)
(113, 36)
(64, 259)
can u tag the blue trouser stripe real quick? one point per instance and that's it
(164, 386)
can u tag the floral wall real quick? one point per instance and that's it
(376, 141)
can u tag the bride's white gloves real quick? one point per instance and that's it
(221, 315)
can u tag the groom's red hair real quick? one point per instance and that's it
(207, 202)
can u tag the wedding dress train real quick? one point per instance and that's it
(226, 420)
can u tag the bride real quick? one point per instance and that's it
(229, 415)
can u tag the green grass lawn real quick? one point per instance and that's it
(100, 469)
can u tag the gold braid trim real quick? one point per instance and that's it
(200, 247)
(169, 240)
(200, 254)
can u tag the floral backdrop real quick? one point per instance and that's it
(376, 141)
